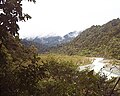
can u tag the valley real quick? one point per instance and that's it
(99, 65)
(96, 41)
(80, 63)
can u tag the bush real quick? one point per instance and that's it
(52, 77)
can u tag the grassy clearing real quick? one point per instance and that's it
(75, 59)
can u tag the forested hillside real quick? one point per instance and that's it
(95, 41)
(25, 73)
(41, 48)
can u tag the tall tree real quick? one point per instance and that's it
(10, 14)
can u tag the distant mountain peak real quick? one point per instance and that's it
(71, 34)
(53, 40)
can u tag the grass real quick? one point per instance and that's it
(75, 59)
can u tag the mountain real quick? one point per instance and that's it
(44, 43)
(69, 37)
(95, 41)
(49, 41)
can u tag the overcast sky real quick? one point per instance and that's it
(59, 17)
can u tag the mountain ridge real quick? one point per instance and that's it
(103, 41)
(44, 43)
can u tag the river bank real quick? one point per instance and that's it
(100, 65)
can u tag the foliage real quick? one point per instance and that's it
(53, 77)
(20, 80)
(10, 15)
(23, 74)
(77, 60)
(64, 80)
(13, 55)
(103, 41)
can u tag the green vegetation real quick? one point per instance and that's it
(77, 60)
(62, 79)
(54, 78)
(24, 73)
(103, 41)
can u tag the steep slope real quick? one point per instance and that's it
(95, 41)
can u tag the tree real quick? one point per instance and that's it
(16, 61)
(11, 13)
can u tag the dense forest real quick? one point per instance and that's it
(102, 41)
(25, 73)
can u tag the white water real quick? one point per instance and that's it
(98, 66)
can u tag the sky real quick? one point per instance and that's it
(59, 17)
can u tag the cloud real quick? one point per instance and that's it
(63, 16)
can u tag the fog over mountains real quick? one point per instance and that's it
(53, 40)
(44, 43)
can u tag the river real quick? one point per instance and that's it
(100, 66)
